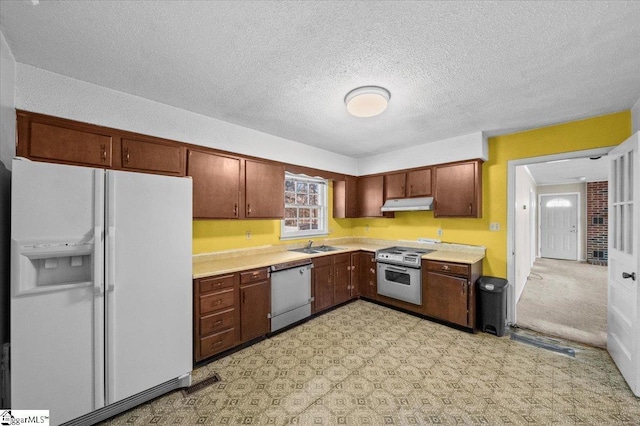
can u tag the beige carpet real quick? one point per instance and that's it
(566, 299)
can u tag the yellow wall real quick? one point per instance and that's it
(216, 235)
(596, 132)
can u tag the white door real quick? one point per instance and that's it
(56, 289)
(149, 278)
(559, 226)
(623, 327)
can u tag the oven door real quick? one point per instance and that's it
(400, 282)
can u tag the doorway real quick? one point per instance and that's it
(558, 233)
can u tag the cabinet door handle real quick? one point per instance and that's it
(235, 209)
(248, 209)
(218, 322)
(218, 343)
(104, 152)
(126, 155)
(626, 275)
(470, 207)
(445, 267)
(463, 288)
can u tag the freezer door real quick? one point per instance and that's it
(149, 319)
(56, 280)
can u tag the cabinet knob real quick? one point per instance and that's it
(126, 155)
(445, 267)
(104, 152)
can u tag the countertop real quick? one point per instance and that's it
(219, 263)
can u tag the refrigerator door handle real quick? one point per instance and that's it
(98, 277)
(111, 232)
(111, 258)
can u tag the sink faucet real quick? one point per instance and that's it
(309, 244)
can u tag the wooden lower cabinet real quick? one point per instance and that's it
(229, 310)
(368, 275)
(332, 281)
(342, 278)
(449, 291)
(322, 283)
(255, 304)
(216, 315)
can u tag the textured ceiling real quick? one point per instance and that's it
(452, 68)
(571, 171)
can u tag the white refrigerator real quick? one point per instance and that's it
(101, 294)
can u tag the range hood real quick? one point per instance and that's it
(408, 204)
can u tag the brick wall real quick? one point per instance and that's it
(597, 222)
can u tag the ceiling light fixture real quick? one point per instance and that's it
(367, 101)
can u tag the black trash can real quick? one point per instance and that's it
(492, 304)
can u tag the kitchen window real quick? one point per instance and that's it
(305, 207)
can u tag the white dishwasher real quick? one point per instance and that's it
(290, 293)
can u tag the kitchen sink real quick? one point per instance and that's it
(305, 250)
(315, 250)
(322, 249)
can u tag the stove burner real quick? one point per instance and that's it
(408, 256)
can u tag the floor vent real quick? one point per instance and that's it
(201, 385)
(543, 342)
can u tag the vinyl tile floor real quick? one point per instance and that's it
(365, 364)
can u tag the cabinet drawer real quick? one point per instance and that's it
(253, 276)
(215, 301)
(216, 322)
(448, 268)
(216, 283)
(217, 343)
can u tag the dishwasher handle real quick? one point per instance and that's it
(291, 265)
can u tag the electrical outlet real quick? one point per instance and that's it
(439, 232)
(248, 235)
(494, 226)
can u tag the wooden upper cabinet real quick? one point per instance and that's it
(345, 198)
(370, 196)
(216, 185)
(264, 189)
(458, 189)
(152, 156)
(394, 185)
(413, 183)
(63, 141)
(418, 183)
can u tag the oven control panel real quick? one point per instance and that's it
(405, 259)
